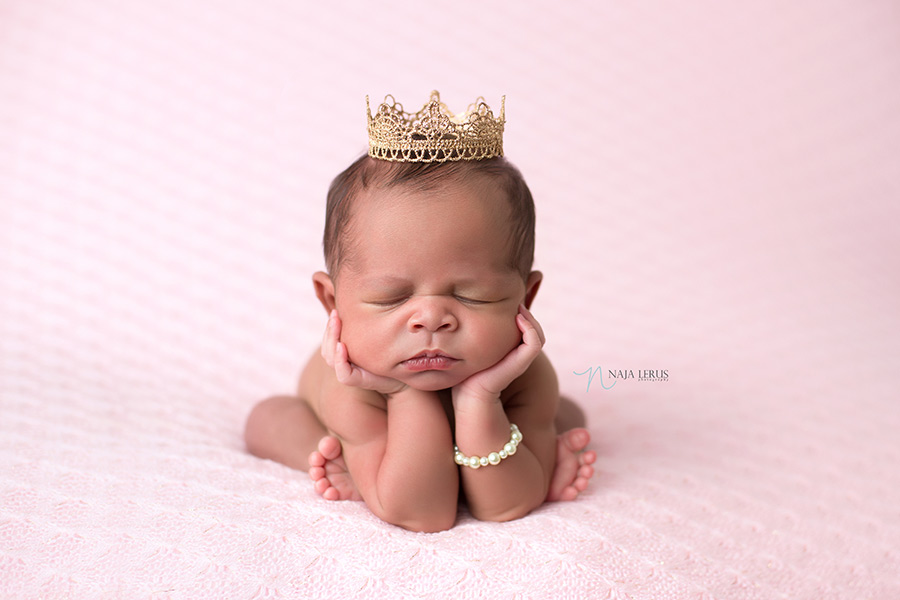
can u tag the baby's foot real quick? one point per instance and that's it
(573, 465)
(329, 473)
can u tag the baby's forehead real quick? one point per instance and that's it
(445, 210)
(448, 216)
(418, 232)
(357, 195)
(383, 277)
(478, 191)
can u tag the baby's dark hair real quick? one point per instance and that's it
(367, 172)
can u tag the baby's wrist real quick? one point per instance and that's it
(472, 411)
(407, 393)
(481, 430)
(468, 401)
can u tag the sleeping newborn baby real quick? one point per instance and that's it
(430, 386)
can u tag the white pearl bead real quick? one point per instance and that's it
(494, 458)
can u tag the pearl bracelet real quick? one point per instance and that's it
(494, 458)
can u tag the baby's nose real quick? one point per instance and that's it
(432, 315)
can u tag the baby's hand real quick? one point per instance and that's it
(488, 384)
(335, 354)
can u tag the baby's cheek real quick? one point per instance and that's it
(504, 337)
(514, 336)
(356, 343)
(365, 345)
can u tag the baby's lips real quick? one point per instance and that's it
(429, 362)
(432, 354)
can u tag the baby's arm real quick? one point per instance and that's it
(396, 443)
(400, 457)
(518, 484)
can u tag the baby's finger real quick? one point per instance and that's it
(327, 340)
(342, 367)
(528, 322)
(534, 322)
(331, 337)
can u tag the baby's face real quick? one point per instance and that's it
(428, 297)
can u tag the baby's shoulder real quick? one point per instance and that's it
(538, 382)
(328, 397)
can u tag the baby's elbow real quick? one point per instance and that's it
(508, 514)
(422, 521)
(509, 511)
(426, 524)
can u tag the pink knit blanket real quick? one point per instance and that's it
(717, 226)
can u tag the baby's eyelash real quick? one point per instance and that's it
(400, 300)
(385, 303)
(465, 300)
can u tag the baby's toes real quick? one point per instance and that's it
(588, 457)
(326, 490)
(329, 448)
(580, 484)
(576, 439)
(569, 494)
(316, 459)
(331, 494)
(321, 485)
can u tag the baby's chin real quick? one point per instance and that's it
(425, 381)
(433, 381)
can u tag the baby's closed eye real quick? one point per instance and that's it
(468, 299)
(471, 300)
(387, 302)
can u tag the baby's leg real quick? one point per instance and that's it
(573, 467)
(284, 429)
(569, 415)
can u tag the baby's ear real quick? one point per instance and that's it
(324, 290)
(531, 287)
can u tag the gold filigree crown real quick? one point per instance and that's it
(434, 134)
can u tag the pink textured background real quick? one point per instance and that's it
(717, 191)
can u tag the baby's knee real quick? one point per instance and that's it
(262, 420)
(569, 415)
